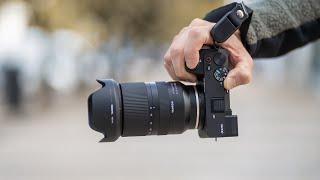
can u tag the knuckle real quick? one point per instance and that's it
(167, 59)
(176, 51)
(236, 55)
(175, 37)
(183, 30)
(195, 21)
(245, 76)
(194, 32)
(166, 65)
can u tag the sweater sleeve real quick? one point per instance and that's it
(276, 27)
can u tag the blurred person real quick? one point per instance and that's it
(12, 91)
(272, 29)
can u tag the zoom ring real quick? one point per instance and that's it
(135, 109)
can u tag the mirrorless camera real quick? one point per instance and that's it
(161, 108)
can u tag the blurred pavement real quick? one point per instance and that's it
(279, 139)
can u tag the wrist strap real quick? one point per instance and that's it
(229, 23)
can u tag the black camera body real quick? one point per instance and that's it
(211, 72)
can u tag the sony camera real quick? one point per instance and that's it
(161, 108)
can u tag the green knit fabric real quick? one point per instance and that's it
(272, 17)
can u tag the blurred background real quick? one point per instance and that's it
(52, 51)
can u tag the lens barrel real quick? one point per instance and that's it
(140, 109)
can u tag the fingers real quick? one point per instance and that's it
(199, 22)
(240, 75)
(199, 33)
(179, 52)
(177, 71)
(177, 61)
(169, 67)
(185, 48)
(179, 65)
(241, 60)
(197, 37)
(174, 62)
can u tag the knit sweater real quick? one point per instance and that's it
(276, 27)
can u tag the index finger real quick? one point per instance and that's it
(197, 37)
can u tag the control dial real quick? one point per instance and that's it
(220, 59)
(220, 74)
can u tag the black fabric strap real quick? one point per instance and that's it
(228, 19)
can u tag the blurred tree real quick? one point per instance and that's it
(138, 20)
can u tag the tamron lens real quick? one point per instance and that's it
(140, 109)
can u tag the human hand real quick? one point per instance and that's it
(185, 47)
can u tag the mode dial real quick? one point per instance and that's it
(220, 74)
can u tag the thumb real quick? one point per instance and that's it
(240, 75)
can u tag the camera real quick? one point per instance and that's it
(161, 108)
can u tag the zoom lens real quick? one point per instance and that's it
(140, 109)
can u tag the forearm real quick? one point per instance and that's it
(277, 27)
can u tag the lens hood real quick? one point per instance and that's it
(105, 110)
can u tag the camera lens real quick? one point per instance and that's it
(140, 109)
